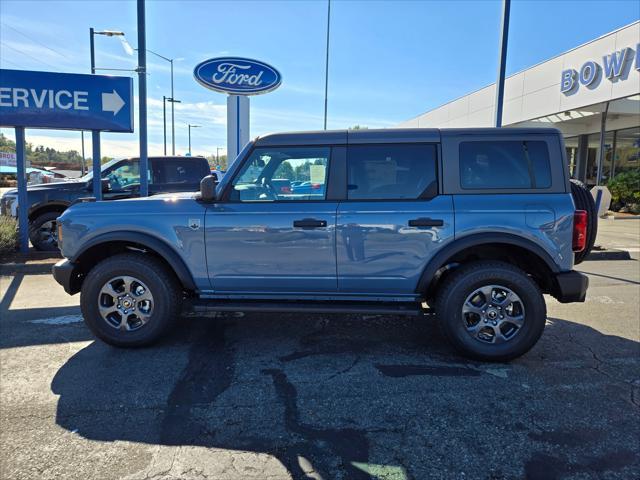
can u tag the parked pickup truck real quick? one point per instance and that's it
(476, 223)
(120, 179)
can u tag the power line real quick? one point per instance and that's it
(30, 56)
(34, 40)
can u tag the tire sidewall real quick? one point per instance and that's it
(452, 320)
(161, 315)
(35, 226)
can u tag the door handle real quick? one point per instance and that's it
(426, 222)
(309, 223)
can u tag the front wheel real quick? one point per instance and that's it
(491, 311)
(130, 300)
(43, 232)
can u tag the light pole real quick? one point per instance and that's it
(164, 118)
(190, 127)
(173, 124)
(502, 61)
(326, 65)
(218, 155)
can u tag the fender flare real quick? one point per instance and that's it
(455, 247)
(167, 252)
(54, 205)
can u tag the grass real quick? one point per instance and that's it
(8, 235)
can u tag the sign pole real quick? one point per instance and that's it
(21, 170)
(97, 180)
(142, 90)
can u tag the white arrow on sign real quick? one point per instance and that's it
(112, 102)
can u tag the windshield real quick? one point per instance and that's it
(103, 167)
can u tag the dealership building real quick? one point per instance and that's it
(591, 93)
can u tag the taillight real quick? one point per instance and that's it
(579, 230)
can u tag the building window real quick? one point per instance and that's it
(627, 150)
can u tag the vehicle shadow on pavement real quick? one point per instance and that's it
(363, 397)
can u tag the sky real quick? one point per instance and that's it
(389, 60)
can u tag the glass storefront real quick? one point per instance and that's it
(621, 154)
(627, 150)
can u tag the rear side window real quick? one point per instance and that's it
(178, 170)
(504, 164)
(391, 172)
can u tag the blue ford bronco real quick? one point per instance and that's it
(476, 224)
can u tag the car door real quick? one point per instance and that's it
(393, 219)
(264, 239)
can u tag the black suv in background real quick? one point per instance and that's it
(120, 179)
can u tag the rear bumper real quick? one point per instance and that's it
(66, 274)
(571, 286)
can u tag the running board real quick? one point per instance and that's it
(396, 308)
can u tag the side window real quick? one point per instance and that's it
(504, 164)
(179, 170)
(283, 174)
(123, 175)
(391, 172)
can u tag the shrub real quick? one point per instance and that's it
(8, 235)
(625, 191)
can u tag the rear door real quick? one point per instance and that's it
(393, 219)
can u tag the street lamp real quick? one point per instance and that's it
(190, 127)
(164, 118)
(173, 125)
(218, 155)
(107, 33)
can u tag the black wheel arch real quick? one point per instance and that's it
(486, 241)
(104, 245)
(36, 210)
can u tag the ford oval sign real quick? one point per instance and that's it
(237, 76)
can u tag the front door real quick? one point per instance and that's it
(274, 230)
(393, 220)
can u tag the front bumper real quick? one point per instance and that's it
(67, 274)
(571, 286)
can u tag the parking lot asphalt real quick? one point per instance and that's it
(271, 396)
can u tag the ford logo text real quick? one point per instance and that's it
(237, 76)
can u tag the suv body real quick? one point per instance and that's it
(121, 179)
(401, 217)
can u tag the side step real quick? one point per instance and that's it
(396, 308)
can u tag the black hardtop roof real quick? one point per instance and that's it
(389, 135)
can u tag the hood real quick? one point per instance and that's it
(64, 185)
(162, 196)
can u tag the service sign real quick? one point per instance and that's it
(66, 101)
(237, 76)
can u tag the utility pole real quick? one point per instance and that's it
(502, 62)
(190, 127)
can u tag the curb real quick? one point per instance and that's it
(608, 255)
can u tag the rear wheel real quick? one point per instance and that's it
(43, 232)
(491, 311)
(130, 300)
(584, 201)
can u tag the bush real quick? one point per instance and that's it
(625, 191)
(8, 235)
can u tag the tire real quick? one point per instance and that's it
(470, 338)
(156, 306)
(584, 201)
(43, 233)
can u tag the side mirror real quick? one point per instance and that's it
(208, 189)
